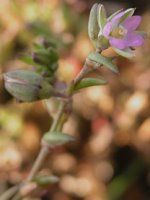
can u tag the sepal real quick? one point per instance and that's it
(93, 27)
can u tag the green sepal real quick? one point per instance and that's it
(128, 13)
(44, 181)
(87, 82)
(126, 53)
(93, 27)
(57, 138)
(101, 15)
(107, 62)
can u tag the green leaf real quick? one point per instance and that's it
(98, 58)
(87, 82)
(102, 18)
(57, 138)
(45, 180)
(126, 53)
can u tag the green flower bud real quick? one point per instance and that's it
(27, 86)
(93, 27)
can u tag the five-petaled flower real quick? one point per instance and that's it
(120, 31)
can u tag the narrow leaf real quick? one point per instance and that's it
(87, 82)
(57, 138)
(96, 57)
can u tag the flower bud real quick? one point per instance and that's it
(27, 86)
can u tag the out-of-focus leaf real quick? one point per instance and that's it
(46, 180)
(57, 138)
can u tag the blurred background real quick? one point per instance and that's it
(111, 156)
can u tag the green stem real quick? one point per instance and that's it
(45, 150)
(58, 116)
(9, 193)
(17, 196)
(38, 163)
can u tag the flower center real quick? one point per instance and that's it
(119, 32)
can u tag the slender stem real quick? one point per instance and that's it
(85, 70)
(17, 197)
(9, 193)
(58, 116)
(38, 163)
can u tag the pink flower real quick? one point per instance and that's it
(120, 31)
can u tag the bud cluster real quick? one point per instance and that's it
(45, 57)
(27, 85)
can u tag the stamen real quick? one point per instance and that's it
(119, 32)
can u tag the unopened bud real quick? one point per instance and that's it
(27, 86)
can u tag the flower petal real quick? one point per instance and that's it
(107, 29)
(131, 23)
(118, 43)
(131, 40)
(134, 40)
